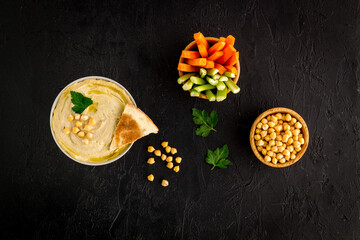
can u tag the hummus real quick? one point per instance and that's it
(109, 101)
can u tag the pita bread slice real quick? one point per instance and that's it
(133, 124)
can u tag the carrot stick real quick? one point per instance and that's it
(220, 68)
(190, 54)
(228, 52)
(200, 39)
(222, 39)
(234, 58)
(230, 40)
(216, 47)
(209, 64)
(187, 68)
(215, 56)
(231, 69)
(199, 62)
(202, 50)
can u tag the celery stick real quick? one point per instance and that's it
(194, 93)
(232, 86)
(220, 86)
(229, 74)
(204, 87)
(210, 95)
(221, 95)
(216, 76)
(185, 77)
(197, 80)
(212, 81)
(212, 72)
(223, 79)
(188, 85)
(202, 72)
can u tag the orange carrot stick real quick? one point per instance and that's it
(209, 64)
(190, 54)
(231, 69)
(202, 50)
(215, 56)
(230, 40)
(234, 58)
(216, 47)
(222, 39)
(220, 68)
(198, 62)
(187, 68)
(228, 52)
(200, 39)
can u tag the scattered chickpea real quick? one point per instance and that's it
(85, 141)
(164, 183)
(170, 165)
(75, 130)
(70, 118)
(173, 151)
(151, 161)
(163, 157)
(151, 178)
(78, 123)
(84, 118)
(169, 159)
(66, 130)
(151, 149)
(157, 153)
(167, 149)
(89, 135)
(81, 134)
(176, 169)
(92, 121)
(178, 159)
(77, 116)
(87, 127)
(164, 144)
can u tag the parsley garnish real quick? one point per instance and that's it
(207, 122)
(218, 157)
(80, 101)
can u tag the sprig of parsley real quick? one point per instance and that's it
(80, 101)
(218, 157)
(207, 122)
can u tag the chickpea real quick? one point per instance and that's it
(297, 144)
(267, 158)
(259, 125)
(75, 130)
(264, 121)
(281, 148)
(298, 149)
(278, 143)
(274, 160)
(302, 141)
(164, 144)
(296, 138)
(270, 153)
(164, 183)
(81, 134)
(176, 168)
(278, 128)
(296, 132)
(271, 130)
(274, 149)
(263, 134)
(271, 124)
(151, 161)
(259, 149)
(286, 152)
(279, 156)
(157, 153)
(287, 127)
(169, 159)
(288, 117)
(265, 127)
(173, 151)
(293, 156)
(292, 128)
(272, 143)
(278, 116)
(264, 151)
(66, 130)
(150, 177)
(163, 157)
(87, 127)
(272, 135)
(89, 135)
(70, 118)
(92, 121)
(287, 157)
(273, 118)
(77, 116)
(257, 131)
(290, 141)
(78, 123)
(85, 141)
(268, 118)
(281, 122)
(151, 149)
(298, 125)
(260, 143)
(285, 138)
(178, 159)
(167, 149)
(293, 121)
(290, 148)
(169, 165)
(288, 132)
(84, 118)
(267, 138)
(278, 138)
(268, 148)
(282, 160)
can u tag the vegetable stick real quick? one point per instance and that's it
(190, 54)
(200, 39)
(185, 77)
(220, 68)
(209, 64)
(234, 58)
(216, 47)
(215, 56)
(199, 62)
(231, 69)
(230, 40)
(187, 68)
(222, 39)
(210, 95)
(228, 52)
(202, 50)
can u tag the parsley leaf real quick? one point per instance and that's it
(207, 122)
(218, 157)
(80, 101)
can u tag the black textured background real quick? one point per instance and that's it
(297, 54)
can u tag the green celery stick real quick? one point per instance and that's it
(229, 74)
(202, 72)
(204, 87)
(210, 95)
(212, 81)
(197, 80)
(185, 77)
(212, 72)
(194, 93)
(220, 86)
(221, 95)
(232, 86)
(216, 76)
(223, 79)
(188, 85)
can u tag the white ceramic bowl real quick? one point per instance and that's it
(52, 131)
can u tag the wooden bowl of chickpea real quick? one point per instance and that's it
(279, 137)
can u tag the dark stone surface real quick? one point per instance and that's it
(297, 54)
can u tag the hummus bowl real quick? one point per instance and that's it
(109, 100)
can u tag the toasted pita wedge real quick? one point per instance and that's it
(133, 124)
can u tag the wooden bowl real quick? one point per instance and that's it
(211, 41)
(304, 131)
